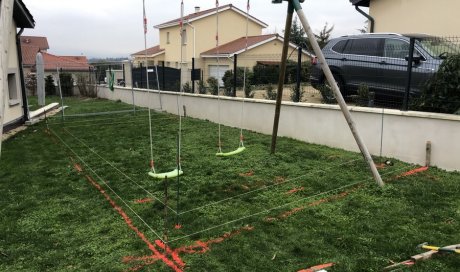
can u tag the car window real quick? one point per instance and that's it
(365, 47)
(396, 49)
(338, 47)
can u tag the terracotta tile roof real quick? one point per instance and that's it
(41, 42)
(28, 55)
(67, 63)
(196, 15)
(239, 45)
(150, 51)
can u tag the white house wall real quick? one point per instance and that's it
(13, 107)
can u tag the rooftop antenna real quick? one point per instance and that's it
(294, 5)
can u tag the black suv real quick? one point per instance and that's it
(380, 61)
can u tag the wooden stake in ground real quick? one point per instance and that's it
(6, 22)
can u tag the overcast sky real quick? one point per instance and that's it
(113, 28)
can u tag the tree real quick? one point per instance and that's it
(213, 84)
(365, 28)
(442, 91)
(31, 83)
(66, 81)
(50, 89)
(324, 35)
(228, 81)
(298, 35)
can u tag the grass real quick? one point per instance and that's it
(303, 206)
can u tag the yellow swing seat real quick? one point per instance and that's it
(234, 152)
(172, 174)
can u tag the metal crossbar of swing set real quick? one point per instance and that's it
(294, 5)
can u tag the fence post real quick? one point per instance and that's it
(299, 67)
(141, 81)
(409, 74)
(163, 75)
(235, 67)
(193, 75)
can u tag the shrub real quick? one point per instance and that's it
(296, 94)
(228, 82)
(270, 92)
(327, 94)
(265, 74)
(187, 88)
(442, 92)
(269, 74)
(66, 81)
(213, 85)
(362, 96)
(249, 91)
(50, 88)
(31, 83)
(201, 87)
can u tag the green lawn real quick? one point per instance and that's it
(75, 196)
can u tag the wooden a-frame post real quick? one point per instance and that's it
(295, 4)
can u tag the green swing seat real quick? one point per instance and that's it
(234, 152)
(174, 173)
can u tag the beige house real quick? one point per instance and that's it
(439, 18)
(198, 41)
(14, 102)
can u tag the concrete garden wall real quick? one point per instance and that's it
(403, 134)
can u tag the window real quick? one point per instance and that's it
(338, 47)
(167, 38)
(396, 48)
(365, 47)
(184, 37)
(12, 89)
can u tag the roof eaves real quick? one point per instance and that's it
(362, 3)
(274, 37)
(149, 56)
(211, 12)
(22, 15)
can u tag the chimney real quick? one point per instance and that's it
(197, 9)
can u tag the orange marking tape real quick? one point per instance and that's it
(77, 167)
(295, 190)
(144, 200)
(317, 267)
(156, 254)
(168, 250)
(199, 247)
(247, 174)
(178, 226)
(413, 171)
(202, 247)
(130, 224)
(314, 203)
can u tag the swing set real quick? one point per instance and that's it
(178, 170)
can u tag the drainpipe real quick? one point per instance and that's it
(368, 17)
(21, 76)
